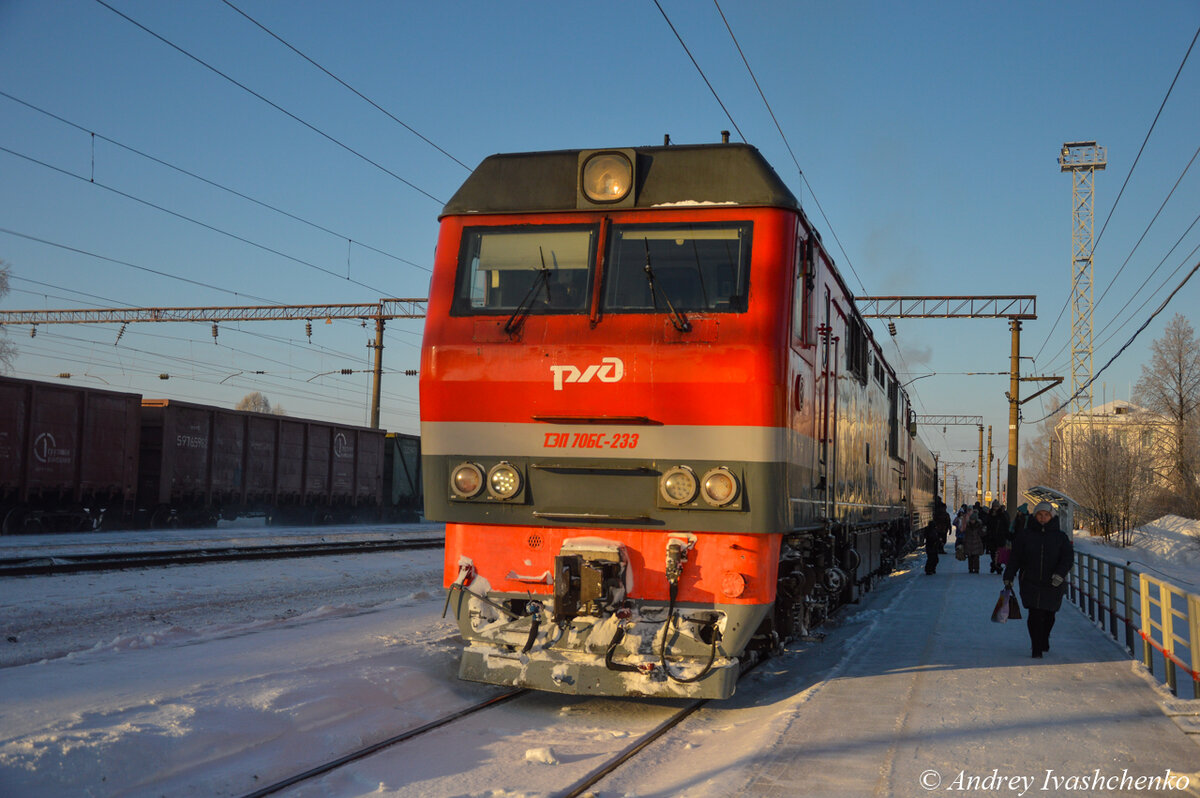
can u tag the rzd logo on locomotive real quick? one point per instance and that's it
(609, 369)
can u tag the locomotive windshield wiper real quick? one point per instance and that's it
(678, 319)
(543, 279)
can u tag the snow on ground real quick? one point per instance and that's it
(218, 679)
(1168, 548)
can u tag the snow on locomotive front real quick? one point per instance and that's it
(605, 416)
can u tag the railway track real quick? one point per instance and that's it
(118, 560)
(573, 791)
(334, 764)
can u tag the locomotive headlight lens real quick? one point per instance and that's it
(504, 481)
(607, 177)
(720, 487)
(466, 480)
(678, 486)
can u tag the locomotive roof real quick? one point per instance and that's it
(719, 174)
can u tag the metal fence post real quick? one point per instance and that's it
(1146, 630)
(1129, 636)
(1194, 641)
(1091, 588)
(1167, 602)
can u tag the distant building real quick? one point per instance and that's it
(1143, 433)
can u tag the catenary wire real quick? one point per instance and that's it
(1132, 338)
(190, 219)
(1123, 185)
(356, 92)
(301, 346)
(1146, 232)
(1148, 299)
(803, 178)
(1142, 238)
(207, 181)
(761, 94)
(671, 25)
(277, 107)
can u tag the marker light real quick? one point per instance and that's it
(466, 480)
(678, 486)
(504, 481)
(720, 487)
(607, 177)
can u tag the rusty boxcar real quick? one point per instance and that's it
(200, 463)
(68, 456)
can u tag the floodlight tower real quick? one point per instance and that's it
(1082, 159)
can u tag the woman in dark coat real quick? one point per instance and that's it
(972, 540)
(935, 536)
(996, 536)
(1042, 556)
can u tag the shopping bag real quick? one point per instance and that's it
(1002, 555)
(960, 552)
(1014, 607)
(1002, 608)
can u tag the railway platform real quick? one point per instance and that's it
(932, 698)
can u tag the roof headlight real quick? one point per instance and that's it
(504, 481)
(678, 486)
(466, 480)
(607, 177)
(719, 487)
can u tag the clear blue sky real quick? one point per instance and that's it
(928, 132)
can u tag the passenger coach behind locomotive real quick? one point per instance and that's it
(658, 430)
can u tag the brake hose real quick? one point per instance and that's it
(662, 651)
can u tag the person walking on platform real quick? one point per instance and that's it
(941, 522)
(1042, 555)
(996, 535)
(933, 545)
(1019, 521)
(972, 540)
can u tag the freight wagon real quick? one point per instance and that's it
(65, 452)
(402, 490)
(76, 458)
(200, 463)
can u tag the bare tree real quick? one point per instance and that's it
(8, 350)
(255, 402)
(1170, 387)
(1110, 474)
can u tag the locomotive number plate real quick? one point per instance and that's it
(590, 440)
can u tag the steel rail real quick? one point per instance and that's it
(114, 561)
(629, 752)
(582, 786)
(353, 756)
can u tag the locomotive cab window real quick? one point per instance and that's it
(542, 269)
(702, 268)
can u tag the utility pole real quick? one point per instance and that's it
(957, 494)
(379, 312)
(1013, 308)
(988, 482)
(960, 421)
(1082, 159)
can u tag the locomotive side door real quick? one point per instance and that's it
(803, 432)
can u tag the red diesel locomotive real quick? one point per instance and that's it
(660, 435)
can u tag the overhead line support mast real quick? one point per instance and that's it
(380, 312)
(1015, 308)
